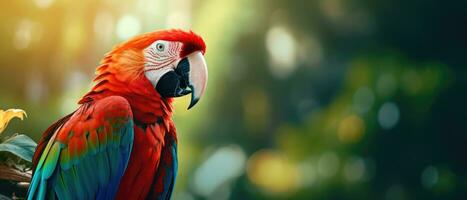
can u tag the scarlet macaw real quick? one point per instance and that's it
(121, 142)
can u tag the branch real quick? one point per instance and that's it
(11, 174)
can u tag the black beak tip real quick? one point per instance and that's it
(192, 103)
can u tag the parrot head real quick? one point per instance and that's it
(171, 62)
(175, 64)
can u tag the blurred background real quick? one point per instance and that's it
(307, 99)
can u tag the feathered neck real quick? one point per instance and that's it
(120, 74)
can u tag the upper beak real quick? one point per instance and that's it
(197, 76)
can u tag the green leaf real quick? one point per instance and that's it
(20, 145)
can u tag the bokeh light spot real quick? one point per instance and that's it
(429, 177)
(128, 26)
(281, 46)
(23, 34)
(351, 129)
(354, 169)
(308, 173)
(363, 99)
(43, 3)
(328, 164)
(388, 115)
(223, 165)
(272, 172)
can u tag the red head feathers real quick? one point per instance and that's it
(191, 41)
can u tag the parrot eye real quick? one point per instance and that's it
(160, 47)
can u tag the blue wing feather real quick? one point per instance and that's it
(68, 171)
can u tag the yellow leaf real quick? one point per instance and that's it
(6, 116)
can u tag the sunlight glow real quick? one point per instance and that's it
(128, 26)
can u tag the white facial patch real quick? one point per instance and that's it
(161, 57)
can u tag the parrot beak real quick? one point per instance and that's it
(197, 76)
(190, 76)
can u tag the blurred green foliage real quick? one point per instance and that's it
(318, 99)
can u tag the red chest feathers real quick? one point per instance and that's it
(145, 155)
